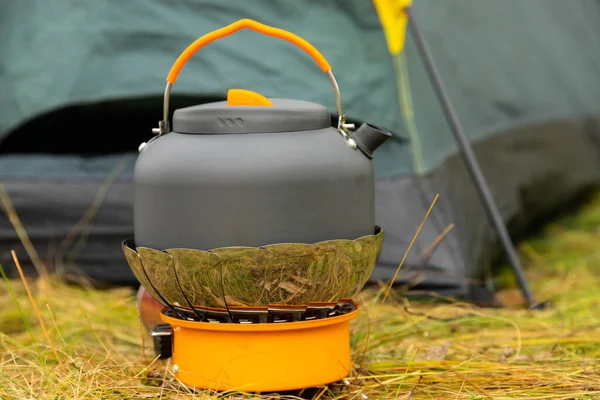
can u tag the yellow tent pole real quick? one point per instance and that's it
(393, 18)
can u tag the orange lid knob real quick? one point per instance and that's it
(241, 97)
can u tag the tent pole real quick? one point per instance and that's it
(470, 159)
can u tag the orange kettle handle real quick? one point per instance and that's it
(163, 125)
(238, 26)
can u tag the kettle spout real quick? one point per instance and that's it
(369, 137)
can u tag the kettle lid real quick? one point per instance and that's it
(250, 112)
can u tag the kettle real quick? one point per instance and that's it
(251, 171)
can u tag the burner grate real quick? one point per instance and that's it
(273, 314)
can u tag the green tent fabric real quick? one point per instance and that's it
(122, 49)
(524, 77)
(505, 63)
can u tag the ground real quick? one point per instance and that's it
(95, 347)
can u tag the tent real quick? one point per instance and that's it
(82, 85)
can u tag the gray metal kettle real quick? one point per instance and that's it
(253, 171)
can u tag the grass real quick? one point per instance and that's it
(96, 348)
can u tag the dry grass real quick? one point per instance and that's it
(447, 350)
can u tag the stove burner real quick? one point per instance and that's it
(273, 314)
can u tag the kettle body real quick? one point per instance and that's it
(230, 186)
(253, 171)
